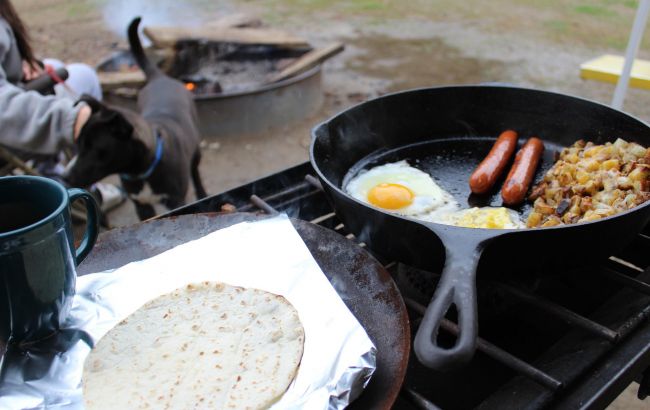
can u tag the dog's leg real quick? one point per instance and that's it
(173, 202)
(196, 176)
(144, 211)
(133, 189)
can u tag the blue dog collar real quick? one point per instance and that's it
(146, 174)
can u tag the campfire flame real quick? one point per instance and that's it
(190, 86)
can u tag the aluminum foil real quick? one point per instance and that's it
(338, 358)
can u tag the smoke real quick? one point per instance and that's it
(119, 13)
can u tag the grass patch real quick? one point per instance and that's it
(557, 26)
(594, 10)
(619, 44)
(308, 5)
(632, 4)
(77, 10)
(365, 5)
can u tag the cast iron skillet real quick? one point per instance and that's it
(446, 132)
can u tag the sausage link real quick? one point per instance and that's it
(522, 172)
(490, 169)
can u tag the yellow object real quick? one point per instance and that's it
(390, 196)
(610, 164)
(608, 68)
(490, 218)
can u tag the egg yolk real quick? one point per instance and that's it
(390, 196)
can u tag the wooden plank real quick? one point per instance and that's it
(12, 159)
(163, 37)
(608, 68)
(118, 79)
(308, 60)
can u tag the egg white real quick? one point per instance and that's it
(428, 196)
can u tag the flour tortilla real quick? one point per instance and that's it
(207, 345)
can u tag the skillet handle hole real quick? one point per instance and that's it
(448, 333)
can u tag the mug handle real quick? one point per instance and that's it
(92, 223)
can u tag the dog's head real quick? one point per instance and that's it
(106, 145)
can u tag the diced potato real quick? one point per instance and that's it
(552, 221)
(534, 219)
(638, 174)
(582, 177)
(605, 153)
(565, 179)
(585, 204)
(609, 184)
(604, 212)
(568, 217)
(572, 158)
(551, 193)
(591, 216)
(610, 164)
(543, 208)
(600, 180)
(591, 165)
(636, 150)
(624, 183)
(593, 151)
(591, 187)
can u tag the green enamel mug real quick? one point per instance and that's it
(38, 256)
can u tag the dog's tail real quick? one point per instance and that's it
(149, 69)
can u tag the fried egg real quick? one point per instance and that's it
(398, 187)
(485, 217)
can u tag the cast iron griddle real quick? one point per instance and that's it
(364, 285)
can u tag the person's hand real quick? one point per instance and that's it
(31, 71)
(82, 117)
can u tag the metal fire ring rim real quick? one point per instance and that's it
(268, 87)
(264, 88)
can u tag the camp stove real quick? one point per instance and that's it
(558, 340)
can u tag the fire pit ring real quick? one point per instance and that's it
(242, 112)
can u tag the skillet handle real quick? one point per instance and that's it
(457, 287)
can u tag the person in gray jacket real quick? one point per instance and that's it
(31, 122)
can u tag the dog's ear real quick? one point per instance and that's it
(94, 105)
(120, 127)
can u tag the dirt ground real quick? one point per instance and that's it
(390, 45)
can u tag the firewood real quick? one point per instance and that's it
(163, 37)
(119, 79)
(306, 61)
